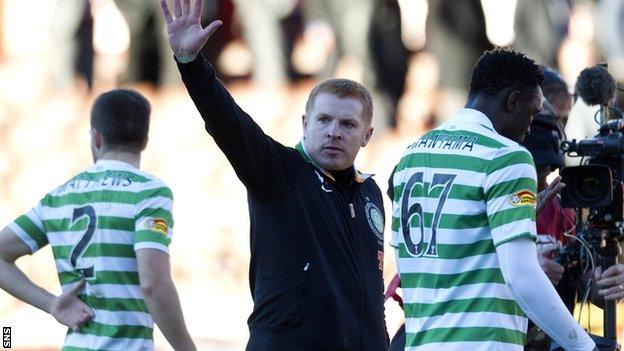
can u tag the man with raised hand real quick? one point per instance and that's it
(110, 228)
(316, 222)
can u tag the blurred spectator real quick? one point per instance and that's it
(148, 49)
(149, 53)
(263, 23)
(350, 21)
(540, 27)
(557, 94)
(223, 10)
(368, 48)
(610, 38)
(84, 41)
(390, 56)
(578, 52)
(456, 36)
(72, 28)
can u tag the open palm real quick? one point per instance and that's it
(185, 33)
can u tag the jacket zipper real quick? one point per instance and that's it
(353, 229)
(302, 287)
(359, 251)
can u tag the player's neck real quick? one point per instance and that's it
(127, 157)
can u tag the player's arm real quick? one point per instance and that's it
(537, 297)
(510, 192)
(161, 297)
(253, 155)
(153, 234)
(67, 309)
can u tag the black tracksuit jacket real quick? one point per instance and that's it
(316, 248)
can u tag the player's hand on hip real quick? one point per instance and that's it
(184, 29)
(69, 310)
(611, 283)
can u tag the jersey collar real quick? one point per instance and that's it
(475, 116)
(113, 164)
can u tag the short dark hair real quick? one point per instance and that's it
(344, 88)
(499, 69)
(122, 116)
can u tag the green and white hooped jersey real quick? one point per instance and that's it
(459, 191)
(95, 222)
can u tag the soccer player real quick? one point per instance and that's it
(316, 222)
(463, 222)
(109, 228)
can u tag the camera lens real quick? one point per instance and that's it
(590, 188)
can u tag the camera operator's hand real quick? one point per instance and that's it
(552, 268)
(545, 196)
(611, 282)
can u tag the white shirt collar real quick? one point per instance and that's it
(113, 164)
(474, 116)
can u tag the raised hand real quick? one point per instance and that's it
(545, 197)
(185, 33)
(69, 310)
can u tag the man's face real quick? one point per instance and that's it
(562, 104)
(334, 130)
(519, 120)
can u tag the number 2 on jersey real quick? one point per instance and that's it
(82, 244)
(415, 244)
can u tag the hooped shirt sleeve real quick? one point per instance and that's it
(30, 229)
(511, 195)
(154, 219)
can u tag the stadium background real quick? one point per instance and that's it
(44, 140)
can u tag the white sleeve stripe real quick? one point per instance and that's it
(511, 172)
(150, 245)
(157, 201)
(512, 229)
(30, 242)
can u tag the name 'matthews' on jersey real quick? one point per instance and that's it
(458, 192)
(94, 223)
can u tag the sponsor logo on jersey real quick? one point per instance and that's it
(157, 225)
(522, 198)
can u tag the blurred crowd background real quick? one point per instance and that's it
(414, 55)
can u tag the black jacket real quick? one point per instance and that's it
(316, 248)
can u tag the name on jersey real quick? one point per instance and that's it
(446, 141)
(522, 198)
(120, 179)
